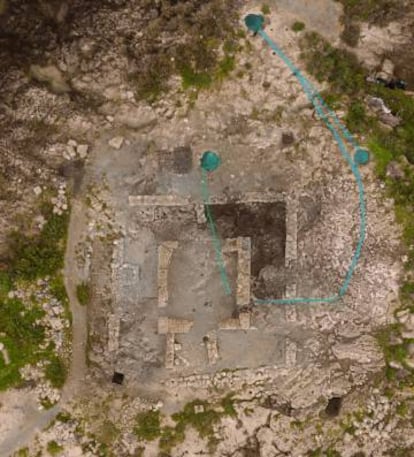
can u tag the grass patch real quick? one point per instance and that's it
(337, 66)
(228, 405)
(5, 284)
(225, 67)
(83, 293)
(56, 372)
(63, 417)
(171, 437)
(357, 119)
(53, 448)
(203, 421)
(31, 257)
(392, 351)
(148, 425)
(265, 9)
(374, 11)
(202, 32)
(402, 409)
(351, 34)
(108, 433)
(39, 255)
(193, 78)
(298, 26)
(23, 335)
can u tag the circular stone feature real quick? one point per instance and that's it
(254, 22)
(361, 157)
(210, 161)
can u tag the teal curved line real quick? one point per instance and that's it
(330, 119)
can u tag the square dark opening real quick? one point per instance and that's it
(265, 224)
(178, 160)
(118, 378)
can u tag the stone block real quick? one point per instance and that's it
(158, 200)
(244, 319)
(113, 332)
(230, 324)
(291, 245)
(162, 325)
(169, 351)
(176, 326)
(212, 348)
(179, 325)
(261, 197)
(243, 271)
(291, 350)
(230, 245)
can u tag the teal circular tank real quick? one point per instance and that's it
(361, 157)
(210, 161)
(254, 22)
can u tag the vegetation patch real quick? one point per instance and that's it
(298, 26)
(351, 34)
(265, 9)
(148, 425)
(22, 338)
(30, 257)
(53, 448)
(337, 66)
(374, 11)
(199, 54)
(83, 293)
(39, 255)
(56, 371)
(198, 414)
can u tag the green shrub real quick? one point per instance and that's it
(171, 437)
(23, 335)
(225, 67)
(148, 425)
(351, 34)
(39, 255)
(56, 372)
(58, 289)
(203, 422)
(53, 448)
(376, 11)
(83, 293)
(265, 8)
(193, 78)
(298, 26)
(337, 66)
(228, 405)
(357, 119)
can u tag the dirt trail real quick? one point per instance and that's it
(32, 419)
(72, 276)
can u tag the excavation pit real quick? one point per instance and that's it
(265, 224)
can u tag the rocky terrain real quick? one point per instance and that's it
(106, 105)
